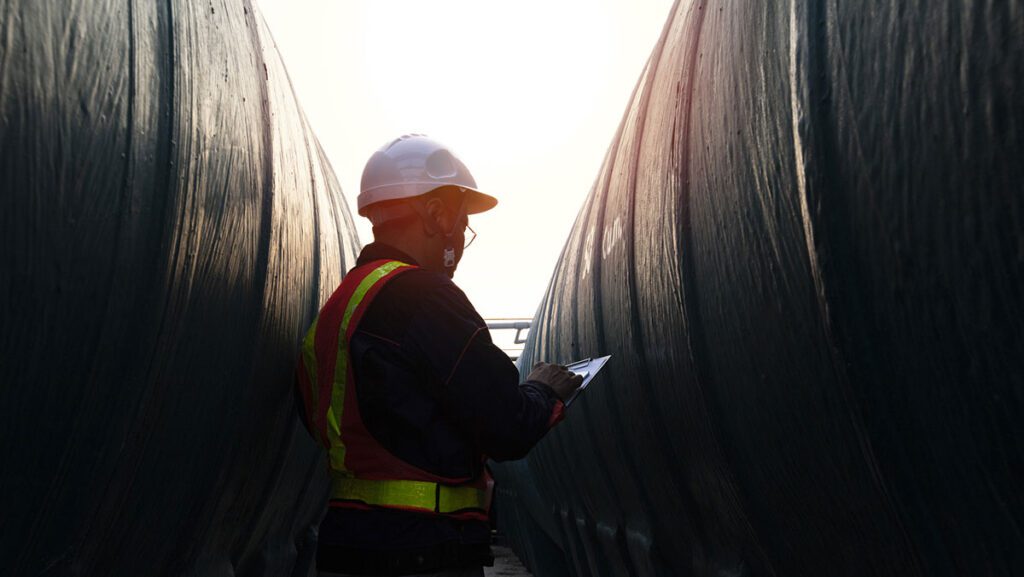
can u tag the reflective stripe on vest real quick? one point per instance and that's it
(326, 416)
(419, 495)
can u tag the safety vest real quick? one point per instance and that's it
(363, 473)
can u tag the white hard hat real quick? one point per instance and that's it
(412, 165)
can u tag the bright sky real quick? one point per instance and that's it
(528, 94)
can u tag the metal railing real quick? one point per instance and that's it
(514, 347)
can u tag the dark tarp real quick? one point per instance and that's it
(805, 251)
(168, 228)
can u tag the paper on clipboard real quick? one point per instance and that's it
(588, 369)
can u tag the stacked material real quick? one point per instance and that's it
(805, 251)
(168, 229)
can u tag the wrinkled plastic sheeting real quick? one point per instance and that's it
(168, 228)
(805, 251)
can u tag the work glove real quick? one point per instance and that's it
(560, 379)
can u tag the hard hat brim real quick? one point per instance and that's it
(477, 202)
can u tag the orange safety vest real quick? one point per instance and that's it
(363, 473)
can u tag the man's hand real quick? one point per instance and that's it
(561, 380)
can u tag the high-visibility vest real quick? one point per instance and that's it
(363, 473)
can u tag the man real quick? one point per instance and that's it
(403, 386)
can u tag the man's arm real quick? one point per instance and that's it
(479, 386)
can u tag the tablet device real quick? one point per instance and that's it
(588, 369)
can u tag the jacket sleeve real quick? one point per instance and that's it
(477, 385)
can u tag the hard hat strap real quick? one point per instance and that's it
(449, 249)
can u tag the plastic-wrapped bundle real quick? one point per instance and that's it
(806, 251)
(168, 228)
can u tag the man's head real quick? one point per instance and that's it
(418, 195)
(431, 228)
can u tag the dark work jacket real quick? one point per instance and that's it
(438, 394)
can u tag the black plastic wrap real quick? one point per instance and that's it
(805, 251)
(168, 228)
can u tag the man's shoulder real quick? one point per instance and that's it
(436, 289)
(413, 278)
(419, 283)
(428, 295)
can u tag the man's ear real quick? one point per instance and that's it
(435, 211)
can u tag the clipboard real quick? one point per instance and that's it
(588, 369)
